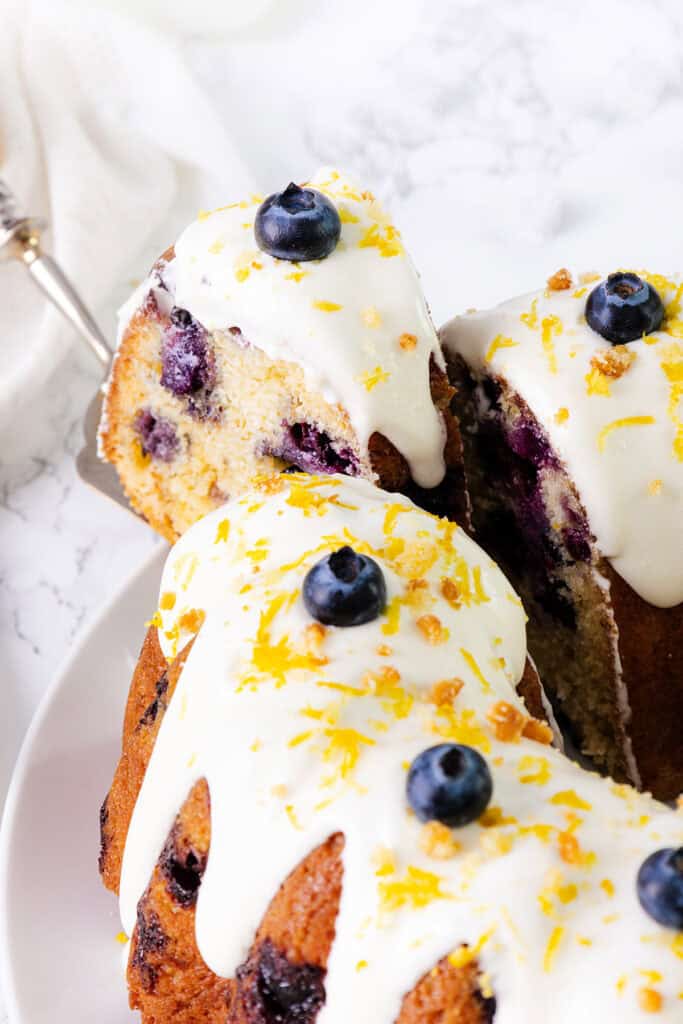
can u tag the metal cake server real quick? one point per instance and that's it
(20, 239)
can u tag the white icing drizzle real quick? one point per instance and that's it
(620, 438)
(542, 890)
(340, 318)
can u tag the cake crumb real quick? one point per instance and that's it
(385, 651)
(654, 487)
(613, 362)
(650, 1000)
(445, 691)
(407, 342)
(436, 840)
(560, 280)
(432, 629)
(506, 721)
(538, 731)
(314, 635)
(450, 591)
(192, 620)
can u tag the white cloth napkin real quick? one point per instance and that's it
(104, 132)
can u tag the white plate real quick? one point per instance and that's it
(59, 959)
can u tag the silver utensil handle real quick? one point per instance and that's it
(54, 283)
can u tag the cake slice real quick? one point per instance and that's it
(290, 331)
(570, 406)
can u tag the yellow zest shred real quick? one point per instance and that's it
(672, 365)
(534, 770)
(345, 215)
(461, 727)
(466, 954)
(627, 421)
(552, 948)
(472, 663)
(275, 659)
(372, 378)
(416, 889)
(499, 342)
(222, 531)
(531, 318)
(386, 240)
(551, 327)
(570, 798)
(326, 307)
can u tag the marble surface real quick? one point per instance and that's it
(509, 139)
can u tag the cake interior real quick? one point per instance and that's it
(195, 416)
(528, 516)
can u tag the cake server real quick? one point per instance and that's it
(20, 239)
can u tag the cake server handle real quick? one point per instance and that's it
(20, 239)
(51, 279)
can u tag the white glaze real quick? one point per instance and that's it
(223, 709)
(350, 354)
(630, 480)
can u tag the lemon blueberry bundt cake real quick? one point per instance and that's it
(570, 405)
(290, 331)
(333, 805)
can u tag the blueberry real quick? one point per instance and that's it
(624, 308)
(158, 436)
(450, 783)
(187, 363)
(345, 589)
(660, 887)
(297, 224)
(314, 451)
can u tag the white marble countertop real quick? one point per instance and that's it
(509, 139)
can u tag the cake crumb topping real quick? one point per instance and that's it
(650, 1000)
(560, 280)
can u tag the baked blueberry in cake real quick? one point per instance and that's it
(286, 331)
(334, 805)
(571, 409)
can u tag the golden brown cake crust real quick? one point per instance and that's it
(168, 980)
(151, 689)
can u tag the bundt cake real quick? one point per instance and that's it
(570, 407)
(332, 804)
(290, 331)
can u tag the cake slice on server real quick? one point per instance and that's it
(570, 407)
(290, 331)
